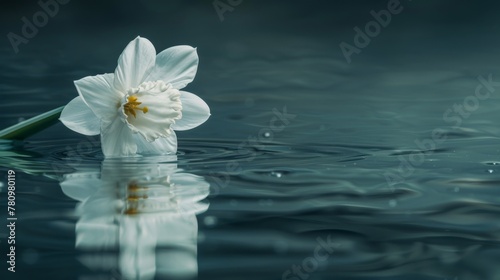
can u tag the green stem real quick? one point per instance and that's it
(31, 126)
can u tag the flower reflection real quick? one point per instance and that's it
(138, 218)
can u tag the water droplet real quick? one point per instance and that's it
(210, 221)
(267, 134)
(393, 203)
(21, 119)
(456, 189)
(490, 171)
(1, 185)
(276, 174)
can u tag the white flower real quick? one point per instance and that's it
(137, 108)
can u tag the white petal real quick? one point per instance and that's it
(166, 145)
(80, 185)
(99, 95)
(138, 239)
(190, 191)
(176, 65)
(134, 64)
(194, 112)
(78, 117)
(117, 140)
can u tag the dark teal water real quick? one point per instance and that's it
(246, 197)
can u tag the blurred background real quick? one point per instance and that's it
(261, 54)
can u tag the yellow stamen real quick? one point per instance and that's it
(133, 105)
(134, 198)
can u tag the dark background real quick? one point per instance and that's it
(268, 48)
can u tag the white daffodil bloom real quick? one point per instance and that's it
(137, 108)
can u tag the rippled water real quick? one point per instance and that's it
(309, 167)
(95, 218)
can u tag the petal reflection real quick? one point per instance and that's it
(138, 218)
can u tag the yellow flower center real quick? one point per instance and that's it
(132, 105)
(134, 198)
